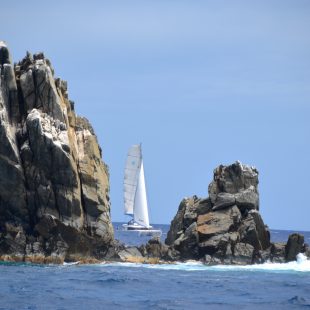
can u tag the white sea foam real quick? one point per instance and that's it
(302, 264)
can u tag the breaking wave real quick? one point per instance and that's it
(302, 264)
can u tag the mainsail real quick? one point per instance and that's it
(135, 199)
(132, 169)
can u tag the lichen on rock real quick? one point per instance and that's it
(50, 163)
(226, 227)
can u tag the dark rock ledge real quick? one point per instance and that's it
(54, 189)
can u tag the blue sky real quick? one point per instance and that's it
(199, 83)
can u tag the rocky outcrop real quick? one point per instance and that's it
(153, 252)
(54, 186)
(226, 227)
(295, 245)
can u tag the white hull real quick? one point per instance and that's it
(142, 230)
(135, 226)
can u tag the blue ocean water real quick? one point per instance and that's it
(171, 286)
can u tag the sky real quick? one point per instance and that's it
(198, 83)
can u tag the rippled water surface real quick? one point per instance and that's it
(135, 286)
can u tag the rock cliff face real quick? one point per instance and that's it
(226, 227)
(54, 186)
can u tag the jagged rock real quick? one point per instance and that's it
(253, 231)
(190, 214)
(188, 211)
(68, 243)
(219, 222)
(235, 184)
(12, 240)
(294, 246)
(4, 54)
(232, 179)
(307, 250)
(115, 247)
(13, 207)
(203, 206)
(243, 254)
(224, 200)
(225, 228)
(176, 225)
(247, 199)
(52, 160)
(154, 248)
(94, 178)
(211, 260)
(187, 243)
(173, 254)
(262, 256)
(215, 244)
(129, 253)
(278, 252)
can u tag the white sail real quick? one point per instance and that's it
(140, 211)
(132, 170)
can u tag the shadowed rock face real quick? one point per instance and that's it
(50, 163)
(226, 227)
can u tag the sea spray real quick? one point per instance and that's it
(302, 264)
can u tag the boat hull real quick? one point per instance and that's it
(142, 230)
(135, 227)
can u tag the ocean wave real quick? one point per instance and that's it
(302, 264)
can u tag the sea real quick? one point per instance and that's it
(189, 285)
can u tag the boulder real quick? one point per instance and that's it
(278, 252)
(12, 240)
(224, 200)
(187, 243)
(247, 199)
(4, 54)
(232, 179)
(262, 256)
(154, 248)
(243, 254)
(129, 254)
(204, 206)
(188, 211)
(176, 226)
(215, 244)
(219, 222)
(253, 231)
(307, 250)
(211, 260)
(294, 246)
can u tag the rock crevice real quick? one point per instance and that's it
(226, 227)
(50, 164)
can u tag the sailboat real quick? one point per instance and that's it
(135, 198)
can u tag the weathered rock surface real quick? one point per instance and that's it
(226, 227)
(295, 245)
(54, 186)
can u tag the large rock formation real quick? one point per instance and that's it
(54, 186)
(226, 227)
